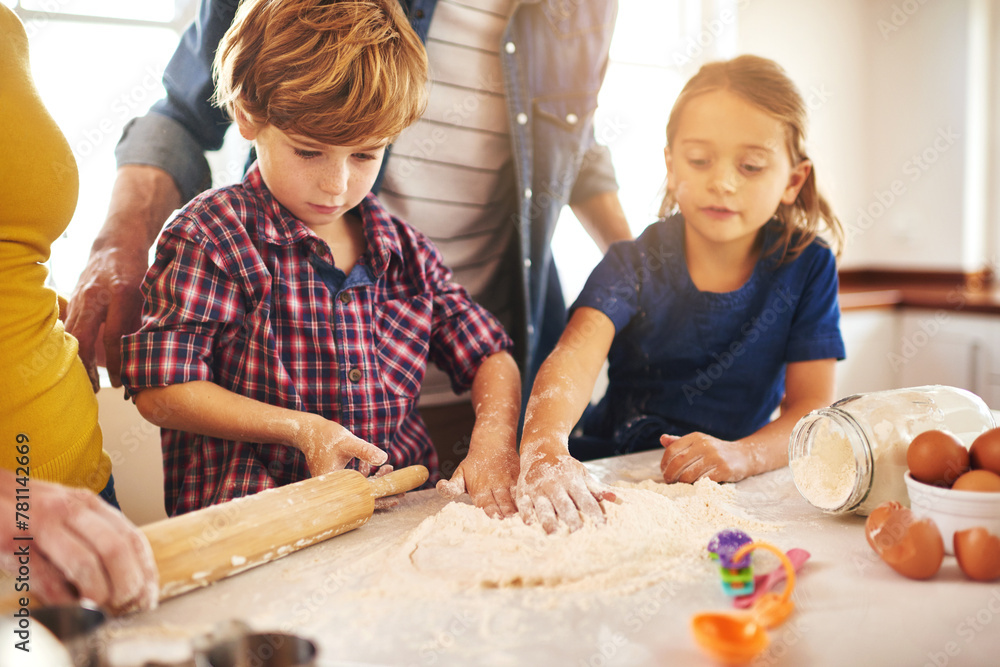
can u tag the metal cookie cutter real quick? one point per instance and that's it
(261, 649)
(73, 625)
(231, 644)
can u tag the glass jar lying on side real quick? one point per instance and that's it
(851, 456)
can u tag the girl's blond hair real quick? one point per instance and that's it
(764, 84)
(340, 72)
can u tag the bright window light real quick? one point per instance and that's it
(141, 10)
(656, 47)
(114, 75)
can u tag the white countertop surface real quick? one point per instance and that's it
(851, 608)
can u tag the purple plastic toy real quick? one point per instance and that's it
(737, 577)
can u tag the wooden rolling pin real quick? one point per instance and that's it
(195, 549)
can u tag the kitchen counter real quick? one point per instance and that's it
(973, 293)
(851, 608)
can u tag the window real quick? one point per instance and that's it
(98, 63)
(656, 47)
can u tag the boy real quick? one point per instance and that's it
(288, 319)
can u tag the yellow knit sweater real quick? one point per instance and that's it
(45, 395)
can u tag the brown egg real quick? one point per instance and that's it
(937, 457)
(911, 547)
(978, 554)
(985, 451)
(978, 480)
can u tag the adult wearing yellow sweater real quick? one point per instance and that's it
(46, 397)
(48, 413)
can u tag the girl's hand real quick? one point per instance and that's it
(329, 446)
(697, 455)
(554, 488)
(489, 481)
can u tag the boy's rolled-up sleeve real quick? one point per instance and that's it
(189, 303)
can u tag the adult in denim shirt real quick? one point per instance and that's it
(553, 54)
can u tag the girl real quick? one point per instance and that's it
(712, 319)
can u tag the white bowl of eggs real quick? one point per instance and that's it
(958, 488)
(954, 509)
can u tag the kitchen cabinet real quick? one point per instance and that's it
(947, 347)
(870, 337)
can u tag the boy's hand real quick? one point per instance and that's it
(554, 488)
(489, 481)
(489, 471)
(385, 502)
(329, 446)
(697, 455)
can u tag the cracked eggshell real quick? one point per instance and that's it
(978, 554)
(912, 547)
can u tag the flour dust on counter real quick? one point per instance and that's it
(654, 533)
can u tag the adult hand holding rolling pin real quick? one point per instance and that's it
(80, 548)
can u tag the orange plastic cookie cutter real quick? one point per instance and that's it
(739, 637)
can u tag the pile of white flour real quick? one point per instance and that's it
(653, 533)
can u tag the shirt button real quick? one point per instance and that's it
(527, 263)
(527, 193)
(354, 375)
(522, 119)
(509, 47)
(345, 298)
(419, 14)
(571, 118)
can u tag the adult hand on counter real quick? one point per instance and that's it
(696, 455)
(554, 488)
(81, 547)
(106, 303)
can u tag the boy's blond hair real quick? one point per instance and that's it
(340, 72)
(764, 84)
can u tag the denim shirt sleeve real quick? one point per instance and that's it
(179, 128)
(596, 176)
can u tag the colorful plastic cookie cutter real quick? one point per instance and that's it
(739, 637)
(737, 573)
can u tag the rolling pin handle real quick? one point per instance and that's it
(398, 481)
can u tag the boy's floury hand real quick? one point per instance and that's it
(328, 446)
(489, 481)
(554, 488)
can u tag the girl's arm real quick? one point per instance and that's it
(489, 470)
(208, 409)
(808, 385)
(553, 486)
